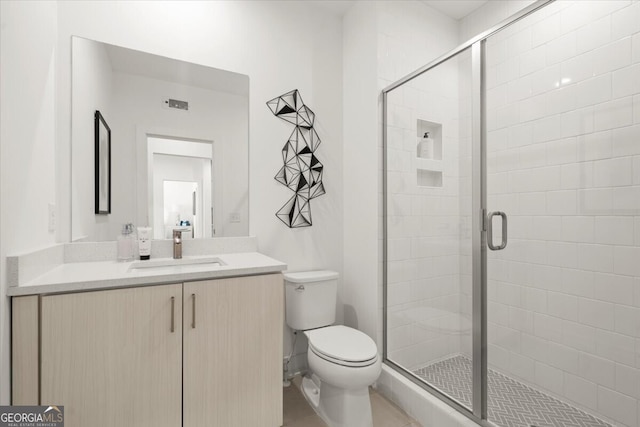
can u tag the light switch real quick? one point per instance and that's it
(52, 217)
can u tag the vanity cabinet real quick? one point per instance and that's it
(233, 338)
(198, 354)
(113, 358)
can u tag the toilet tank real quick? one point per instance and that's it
(310, 299)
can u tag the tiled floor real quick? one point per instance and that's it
(298, 413)
(511, 403)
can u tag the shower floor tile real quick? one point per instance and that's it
(511, 403)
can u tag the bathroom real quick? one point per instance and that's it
(341, 56)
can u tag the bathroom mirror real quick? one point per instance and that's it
(179, 144)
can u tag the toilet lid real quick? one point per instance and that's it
(342, 344)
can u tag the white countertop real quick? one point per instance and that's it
(83, 276)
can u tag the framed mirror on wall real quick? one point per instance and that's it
(102, 165)
(193, 119)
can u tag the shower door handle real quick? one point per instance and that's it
(503, 243)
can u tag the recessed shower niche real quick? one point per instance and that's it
(429, 154)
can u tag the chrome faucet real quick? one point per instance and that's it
(177, 244)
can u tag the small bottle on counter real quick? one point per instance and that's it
(144, 242)
(126, 242)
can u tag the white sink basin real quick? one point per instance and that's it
(169, 262)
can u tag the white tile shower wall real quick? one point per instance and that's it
(563, 162)
(423, 299)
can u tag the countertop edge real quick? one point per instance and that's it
(137, 281)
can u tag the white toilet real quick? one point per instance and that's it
(343, 361)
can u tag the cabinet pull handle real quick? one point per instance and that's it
(193, 311)
(173, 314)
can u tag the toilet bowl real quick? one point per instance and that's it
(344, 370)
(342, 361)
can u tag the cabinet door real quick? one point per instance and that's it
(233, 352)
(24, 350)
(112, 357)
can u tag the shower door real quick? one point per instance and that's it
(512, 220)
(428, 227)
(563, 163)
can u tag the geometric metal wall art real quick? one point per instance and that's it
(302, 171)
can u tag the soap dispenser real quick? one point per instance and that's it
(126, 242)
(425, 147)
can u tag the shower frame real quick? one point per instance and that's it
(478, 413)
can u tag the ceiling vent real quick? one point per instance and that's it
(177, 104)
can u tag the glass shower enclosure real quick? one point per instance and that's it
(512, 220)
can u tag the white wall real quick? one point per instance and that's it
(27, 141)
(360, 296)
(93, 91)
(280, 45)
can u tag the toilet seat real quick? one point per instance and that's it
(343, 346)
(345, 363)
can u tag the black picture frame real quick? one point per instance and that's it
(102, 153)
